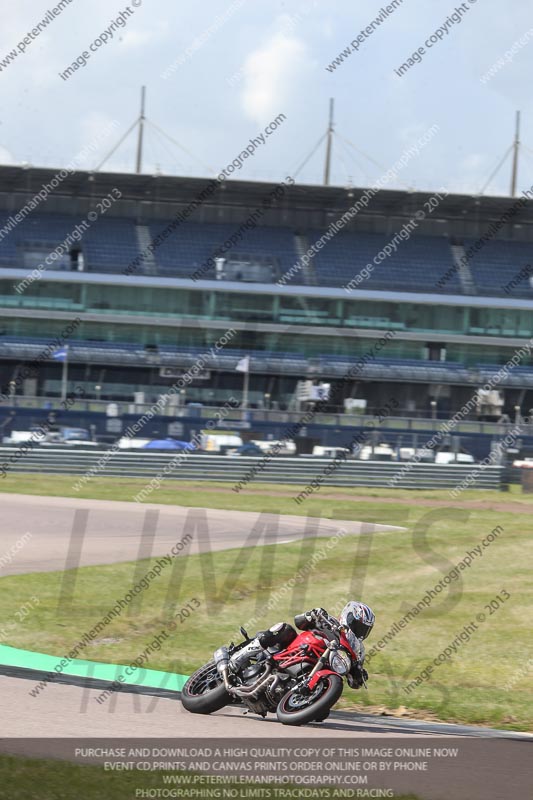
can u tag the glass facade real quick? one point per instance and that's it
(180, 305)
(250, 341)
(250, 307)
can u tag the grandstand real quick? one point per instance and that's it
(453, 320)
(110, 245)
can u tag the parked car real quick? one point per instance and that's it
(524, 462)
(248, 449)
(330, 452)
(446, 457)
(127, 443)
(282, 447)
(423, 454)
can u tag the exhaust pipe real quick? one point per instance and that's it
(254, 689)
(221, 657)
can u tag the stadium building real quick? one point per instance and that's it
(416, 297)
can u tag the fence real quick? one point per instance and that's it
(126, 464)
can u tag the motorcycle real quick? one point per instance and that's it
(299, 676)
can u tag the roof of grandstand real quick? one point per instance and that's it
(21, 180)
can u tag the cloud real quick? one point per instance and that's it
(270, 75)
(134, 37)
(6, 157)
(474, 162)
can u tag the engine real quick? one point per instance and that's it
(275, 690)
(253, 673)
(271, 690)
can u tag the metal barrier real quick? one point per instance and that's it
(247, 470)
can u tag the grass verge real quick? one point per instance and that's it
(38, 779)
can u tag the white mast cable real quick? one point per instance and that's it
(498, 168)
(311, 154)
(115, 148)
(177, 144)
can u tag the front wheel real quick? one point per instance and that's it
(299, 707)
(204, 691)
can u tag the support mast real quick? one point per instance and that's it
(329, 143)
(142, 118)
(516, 151)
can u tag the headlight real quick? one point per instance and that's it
(340, 662)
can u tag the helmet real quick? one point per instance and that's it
(358, 617)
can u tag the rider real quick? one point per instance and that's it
(356, 618)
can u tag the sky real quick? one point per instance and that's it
(218, 71)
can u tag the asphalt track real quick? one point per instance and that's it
(114, 533)
(67, 532)
(64, 710)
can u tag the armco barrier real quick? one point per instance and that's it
(148, 465)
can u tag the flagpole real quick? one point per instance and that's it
(64, 376)
(244, 366)
(245, 388)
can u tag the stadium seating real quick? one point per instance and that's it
(500, 263)
(111, 244)
(417, 264)
(108, 245)
(192, 244)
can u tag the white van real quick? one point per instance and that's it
(220, 442)
(330, 452)
(454, 458)
(381, 452)
(266, 445)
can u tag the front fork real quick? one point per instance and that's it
(319, 669)
(323, 660)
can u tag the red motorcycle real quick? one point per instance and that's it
(298, 676)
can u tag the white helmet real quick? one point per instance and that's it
(358, 617)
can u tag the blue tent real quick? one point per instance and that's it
(168, 444)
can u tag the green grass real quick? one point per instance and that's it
(173, 491)
(261, 497)
(37, 779)
(387, 569)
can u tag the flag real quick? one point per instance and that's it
(320, 392)
(60, 355)
(243, 365)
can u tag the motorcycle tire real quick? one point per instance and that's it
(204, 691)
(299, 709)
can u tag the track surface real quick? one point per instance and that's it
(72, 711)
(114, 530)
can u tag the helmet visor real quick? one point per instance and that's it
(357, 626)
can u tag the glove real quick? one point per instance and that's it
(358, 677)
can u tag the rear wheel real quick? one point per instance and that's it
(299, 707)
(205, 692)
